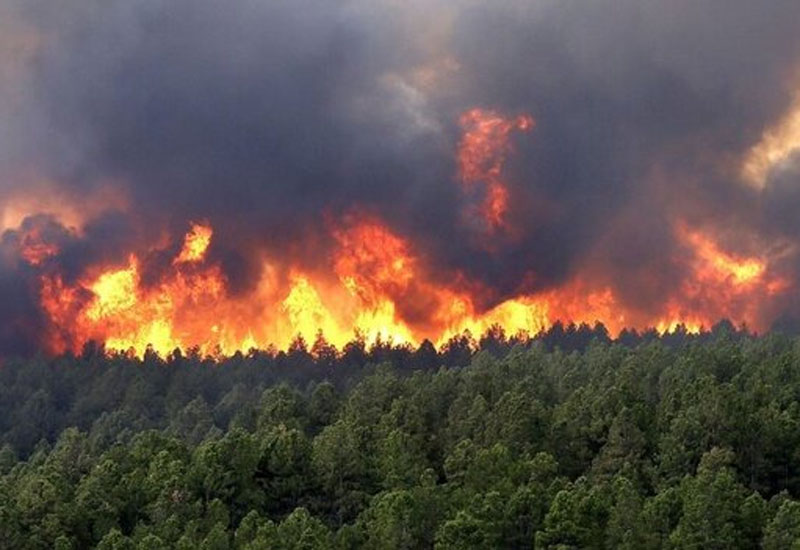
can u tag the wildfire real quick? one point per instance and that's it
(373, 282)
(717, 264)
(115, 292)
(721, 285)
(377, 287)
(305, 309)
(372, 261)
(124, 314)
(482, 153)
(195, 244)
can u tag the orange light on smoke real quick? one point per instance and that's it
(482, 152)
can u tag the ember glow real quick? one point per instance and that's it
(236, 177)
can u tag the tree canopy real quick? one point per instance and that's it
(567, 440)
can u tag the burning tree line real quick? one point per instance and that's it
(379, 289)
(223, 289)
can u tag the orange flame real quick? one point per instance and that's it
(375, 283)
(481, 155)
(721, 285)
(195, 244)
(717, 264)
(377, 287)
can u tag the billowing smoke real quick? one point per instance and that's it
(277, 122)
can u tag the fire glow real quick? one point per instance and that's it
(481, 155)
(372, 272)
(374, 283)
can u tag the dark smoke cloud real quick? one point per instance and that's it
(619, 89)
(267, 118)
(21, 324)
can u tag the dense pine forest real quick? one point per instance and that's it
(567, 440)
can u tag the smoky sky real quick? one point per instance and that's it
(268, 118)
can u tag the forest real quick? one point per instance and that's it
(566, 440)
